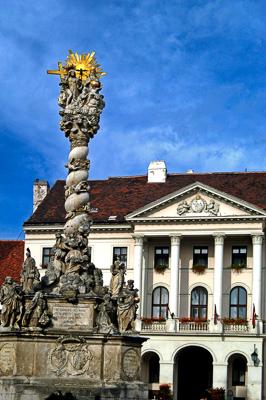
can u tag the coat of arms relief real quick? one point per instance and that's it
(198, 205)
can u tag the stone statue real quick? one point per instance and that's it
(12, 306)
(30, 274)
(36, 313)
(183, 207)
(213, 207)
(127, 307)
(103, 320)
(117, 278)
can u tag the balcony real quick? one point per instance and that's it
(186, 326)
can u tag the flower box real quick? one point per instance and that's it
(160, 268)
(152, 320)
(238, 267)
(234, 321)
(199, 269)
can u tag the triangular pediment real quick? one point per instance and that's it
(197, 201)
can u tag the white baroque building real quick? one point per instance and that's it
(194, 245)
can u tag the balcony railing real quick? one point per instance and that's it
(183, 326)
(193, 326)
(153, 326)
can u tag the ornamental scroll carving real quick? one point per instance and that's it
(71, 356)
(198, 205)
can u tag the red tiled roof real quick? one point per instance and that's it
(122, 195)
(11, 259)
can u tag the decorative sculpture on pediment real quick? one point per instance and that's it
(198, 205)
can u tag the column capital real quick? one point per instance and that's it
(257, 238)
(219, 237)
(138, 239)
(175, 238)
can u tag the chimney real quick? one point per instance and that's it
(157, 172)
(40, 190)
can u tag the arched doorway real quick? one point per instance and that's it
(192, 373)
(237, 375)
(150, 371)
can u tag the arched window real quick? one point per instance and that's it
(238, 303)
(199, 303)
(160, 302)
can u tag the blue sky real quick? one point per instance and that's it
(186, 83)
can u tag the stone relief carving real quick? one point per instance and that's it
(131, 364)
(198, 205)
(72, 356)
(7, 359)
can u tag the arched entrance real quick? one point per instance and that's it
(192, 373)
(150, 371)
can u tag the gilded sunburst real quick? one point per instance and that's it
(84, 65)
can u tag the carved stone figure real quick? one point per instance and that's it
(213, 208)
(127, 307)
(30, 274)
(117, 278)
(11, 299)
(36, 313)
(103, 320)
(183, 207)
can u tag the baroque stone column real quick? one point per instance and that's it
(174, 280)
(138, 255)
(218, 272)
(257, 241)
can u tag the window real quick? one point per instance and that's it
(89, 254)
(121, 253)
(200, 256)
(239, 256)
(160, 302)
(161, 257)
(239, 366)
(238, 303)
(47, 254)
(199, 302)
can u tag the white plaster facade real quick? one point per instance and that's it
(237, 223)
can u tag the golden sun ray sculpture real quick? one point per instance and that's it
(83, 64)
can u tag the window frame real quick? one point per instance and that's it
(234, 256)
(50, 255)
(123, 257)
(238, 305)
(238, 371)
(162, 256)
(200, 264)
(160, 305)
(200, 307)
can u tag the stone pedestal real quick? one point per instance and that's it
(69, 357)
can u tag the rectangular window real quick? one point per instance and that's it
(121, 254)
(200, 256)
(89, 254)
(46, 256)
(161, 257)
(239, 256)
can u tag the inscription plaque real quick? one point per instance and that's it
(71, 317)
(7, 359)
(131, 364)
